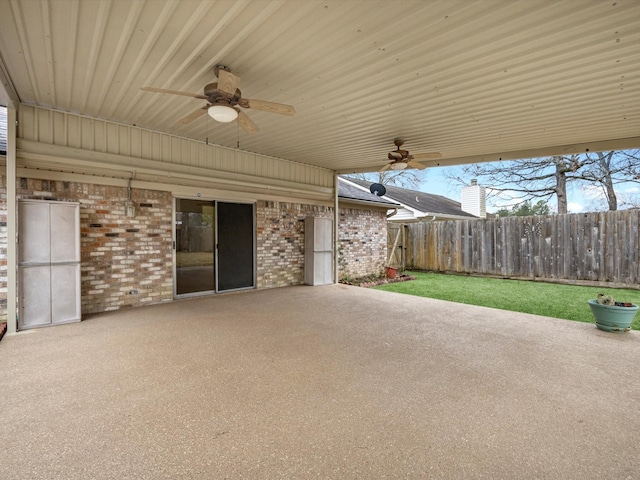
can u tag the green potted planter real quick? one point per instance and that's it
(612, 316)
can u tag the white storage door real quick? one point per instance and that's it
(35, 296)
(49, 268)
(323, 229)
(65, 244)
(65, 293)
(318, 251)
(34, 233)
(322, 268)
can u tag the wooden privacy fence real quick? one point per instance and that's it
(595, 247)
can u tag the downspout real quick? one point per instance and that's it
(133, 175)
(389, 215)
(130, 208)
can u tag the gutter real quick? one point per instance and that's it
(444, 217)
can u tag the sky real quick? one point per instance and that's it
(583, 199)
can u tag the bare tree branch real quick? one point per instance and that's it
(408, 178)
(546, 178)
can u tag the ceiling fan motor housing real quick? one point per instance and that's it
(216, 96)
(398, 154)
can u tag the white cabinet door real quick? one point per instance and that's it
(34, 232)
(65, 244)
(35, 296)
(318, 251)
(322, 268)
(49, 268)
(323, 235)
(65, 293)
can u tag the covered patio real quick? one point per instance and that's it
(112, 104)
(325, 382)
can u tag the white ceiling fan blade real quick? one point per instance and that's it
(385, 167)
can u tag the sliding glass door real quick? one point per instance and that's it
(214, 246)
(235, 246)
(195, 240)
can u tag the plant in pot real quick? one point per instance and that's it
(391, 271)
(612, 316)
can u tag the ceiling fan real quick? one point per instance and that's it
(223, 101)
(400, 159)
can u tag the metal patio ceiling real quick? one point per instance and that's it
(474, 80)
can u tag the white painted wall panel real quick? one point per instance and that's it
(87, 134)
(124, 137)
(74, 132)
(59, 128)
(70, 130)
(45, 133)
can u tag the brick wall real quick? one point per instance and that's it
(126, 261)
(121, 254)
(280, 241)
(362, 243)
(280, 238)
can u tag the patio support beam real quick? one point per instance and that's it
(596, 146)
(11, 222)
(336, 227)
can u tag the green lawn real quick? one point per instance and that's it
(551, 300)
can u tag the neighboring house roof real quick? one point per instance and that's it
(348, 191)
(3, 130)
(420, 204)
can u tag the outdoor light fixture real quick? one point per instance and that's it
(398, 166)
(222, 113)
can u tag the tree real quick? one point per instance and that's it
(605, 170)
(526, 209)
(525, 180)
(408, 178)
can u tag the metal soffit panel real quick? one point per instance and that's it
(463, 78)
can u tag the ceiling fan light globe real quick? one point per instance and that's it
(398, 166)
(222, 113)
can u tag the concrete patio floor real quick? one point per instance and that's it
(319, 382)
